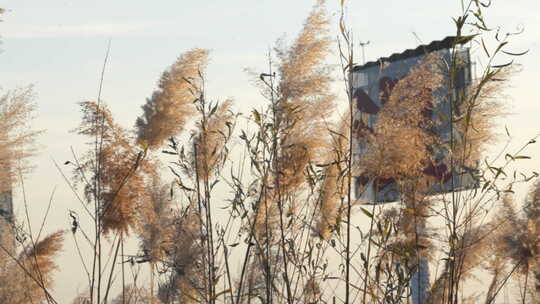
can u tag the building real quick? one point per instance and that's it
(7, 240)
(372, 86)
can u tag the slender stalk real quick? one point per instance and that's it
(81, 258)
(226, 256)
(109, 281)
(39, 273)
(123, 275)
(97, 188)
(525, 284)
(276, 157)
(203, 238)
(349, 181)
(489, 301)
(152, 278)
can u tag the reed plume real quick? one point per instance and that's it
(478, 114)
(522, 241)
(402, 123)
(25, 280)
(41, 256)
(117, 167)
(171, 105)
(305, 98)
(157, 225)
(210, 140)
(398, 148)
(334, 185)
(186, 276)
(517, 242)
(156, 231)
(16, 137)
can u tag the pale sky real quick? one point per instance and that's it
(59, 46)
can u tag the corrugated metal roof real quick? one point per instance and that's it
(422, 49)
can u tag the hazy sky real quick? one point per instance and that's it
(59, 47)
